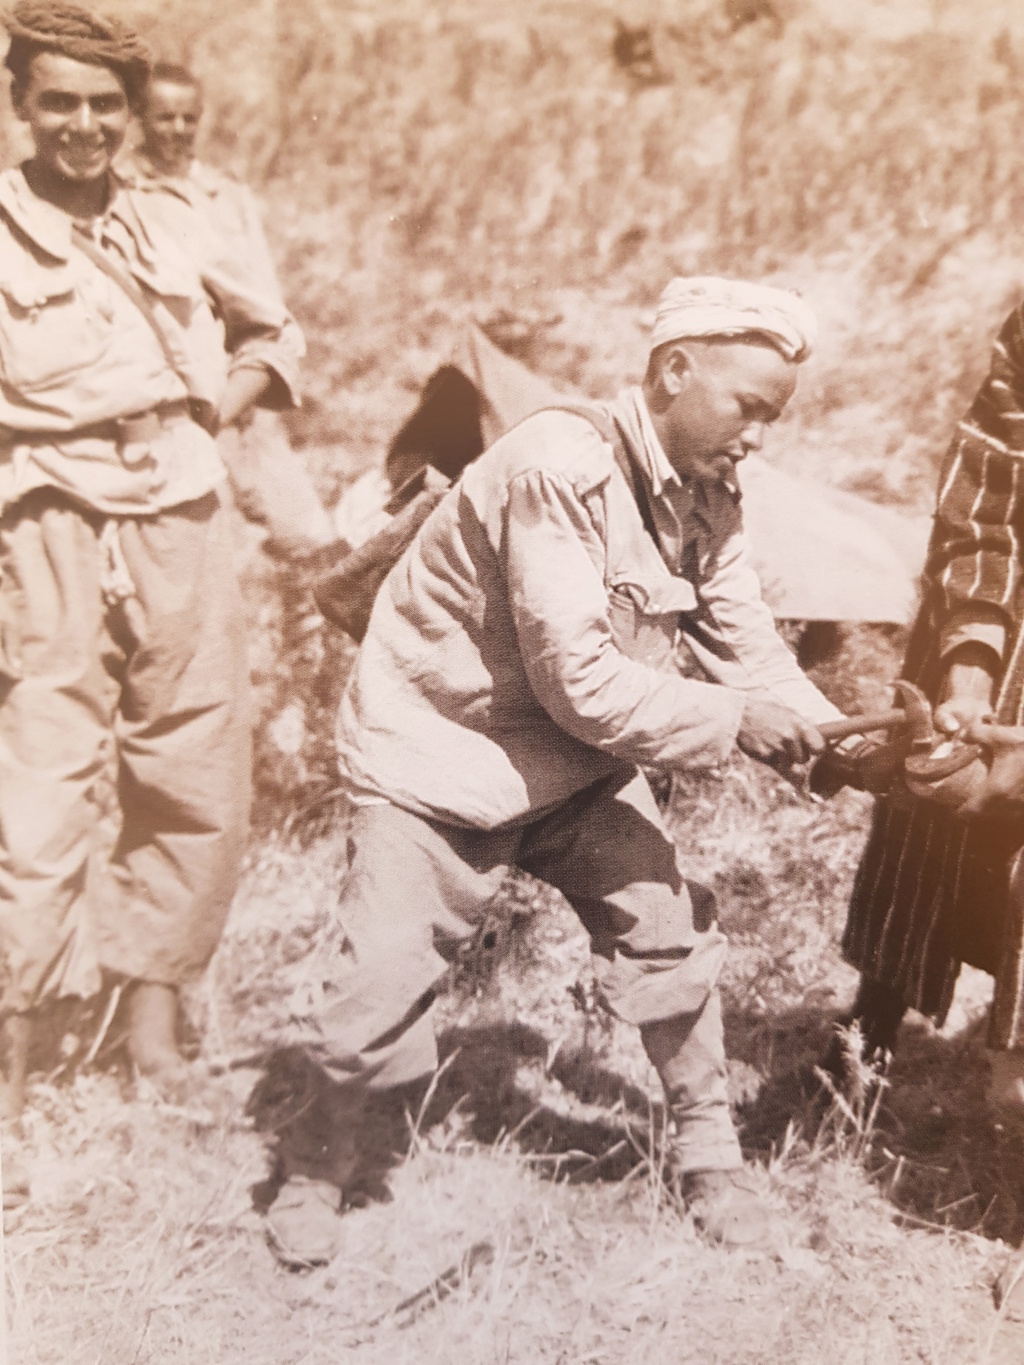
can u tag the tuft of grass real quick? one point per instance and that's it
(849, 1124)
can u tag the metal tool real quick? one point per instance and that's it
(914, 715)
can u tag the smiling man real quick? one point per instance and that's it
(121, 620)
(523, 659)
(171, 113)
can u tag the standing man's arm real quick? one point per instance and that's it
(245, 387)
(263, 342)
(974, 564)
(259, 261)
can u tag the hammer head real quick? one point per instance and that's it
(919, 727)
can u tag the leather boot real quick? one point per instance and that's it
(727, 1208)
(688, 1052)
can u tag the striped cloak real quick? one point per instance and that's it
(931, 891)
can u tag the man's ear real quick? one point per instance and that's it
(673, 367)
(678, 367)
(18, 101)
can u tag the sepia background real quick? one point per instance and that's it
(542, 169)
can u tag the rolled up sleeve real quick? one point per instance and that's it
(974, 626)
(974, 557)
(260, 333)
(589, 687)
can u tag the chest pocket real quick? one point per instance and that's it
(49, 329)
(644, 608)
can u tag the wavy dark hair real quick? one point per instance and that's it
(79, 33)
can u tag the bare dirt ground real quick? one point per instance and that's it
(422, 165)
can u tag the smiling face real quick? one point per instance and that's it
(170, 122)
(78, 115)
(711, 401)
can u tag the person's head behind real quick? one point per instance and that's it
(171, 110)
(76, 76)
(722, 367)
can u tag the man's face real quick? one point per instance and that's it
(713, 401)
(77, 113)
(170, 122)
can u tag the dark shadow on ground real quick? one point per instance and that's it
(481, 1078)
(937, 1151)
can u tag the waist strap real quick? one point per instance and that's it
(133, 428)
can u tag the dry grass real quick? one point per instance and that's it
(542, 1140)
(421, 165)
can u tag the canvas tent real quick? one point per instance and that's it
(822, 554)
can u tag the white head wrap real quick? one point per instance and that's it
(707, 306)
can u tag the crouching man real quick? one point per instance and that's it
(520, 663)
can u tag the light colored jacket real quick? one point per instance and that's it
(527, 642)
(76, 354)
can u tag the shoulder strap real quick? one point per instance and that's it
(130, 286)
(609, 429)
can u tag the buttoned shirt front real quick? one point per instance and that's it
(77, 354)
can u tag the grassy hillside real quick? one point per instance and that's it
(420, 164)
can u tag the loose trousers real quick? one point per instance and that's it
(121, 651)
(416, 889)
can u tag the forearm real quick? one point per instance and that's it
(624, 708)
(245, 387)
(260, 333)
(968, 687)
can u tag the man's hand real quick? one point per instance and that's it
(1002, 791)
(773, 734)
(967, 690)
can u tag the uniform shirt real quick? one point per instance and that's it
(229, 208)
(76, 353)
(527, 643)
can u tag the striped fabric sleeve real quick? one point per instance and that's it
(974, 559)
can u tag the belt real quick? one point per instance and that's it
(139, 427)
(136, 428)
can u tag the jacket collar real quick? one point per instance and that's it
(49, 228)
(632, 416)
